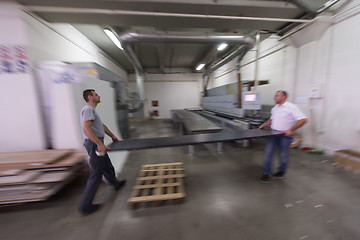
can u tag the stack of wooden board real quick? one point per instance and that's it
(159, 182)
(35, 176)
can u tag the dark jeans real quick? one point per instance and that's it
(282, 143)
(99, 165)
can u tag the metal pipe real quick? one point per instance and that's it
(347, 10)
(291, 26)
(297, 26)
(35, 8)
(301, 4)
(139, 75)
(327, 5)
(309, 14)
(256, 80)
(241, 56)
(240, 50)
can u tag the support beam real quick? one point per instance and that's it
(239, 90)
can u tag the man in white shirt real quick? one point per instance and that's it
(285, 117)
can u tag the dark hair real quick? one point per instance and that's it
(87, 93)
(283, 93)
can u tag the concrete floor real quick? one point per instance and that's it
(224, 200)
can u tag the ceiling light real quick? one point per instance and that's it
(200, 66)
(113, 38)
(222, 46)
(327, 5)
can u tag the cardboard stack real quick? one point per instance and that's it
(348, 159)
(37, 175)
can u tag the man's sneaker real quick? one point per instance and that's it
(279, 174)
(90, 210)
(265, 178)
(120, 184)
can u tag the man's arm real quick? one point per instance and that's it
(267, 123)
(91, 135)
(297, 125)
(110, 134)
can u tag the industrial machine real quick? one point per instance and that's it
(61, 85)
(224, 105)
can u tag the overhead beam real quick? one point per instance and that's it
(303, 6)
(45, 9)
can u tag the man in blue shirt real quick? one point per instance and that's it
(94, 132)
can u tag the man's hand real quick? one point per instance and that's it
(288, 133)
(102, 148)
(267, 123)
(114, 139)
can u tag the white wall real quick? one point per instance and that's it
(329, 58)
(173, 91)
(341, 122)
(22, 127)
(21, 123)
(62, 42)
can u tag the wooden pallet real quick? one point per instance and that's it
(157, 183)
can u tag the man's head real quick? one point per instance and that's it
(280, 97)
(90, 96)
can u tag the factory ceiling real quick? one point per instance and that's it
(207, 17)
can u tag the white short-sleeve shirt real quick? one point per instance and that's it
(285, 116)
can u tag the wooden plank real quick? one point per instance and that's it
(48, 177)
(23, 178)
(44, 157)
(151, 170)
(24, 198)
(162, 164)
(46, 184)
(157, 191)
(9, 169)
(171, 190)
(145, 192)
(162, 177)
(135, 193)
(181, 190)
(157, 185)
(156, 198)
(73, 159)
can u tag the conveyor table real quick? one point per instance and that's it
(193, 123)
(136, 144)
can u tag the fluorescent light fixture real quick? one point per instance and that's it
(222, 46)
(113, 38)
(200, 66)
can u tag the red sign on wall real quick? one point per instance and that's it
(155, 103)
(13, 59)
